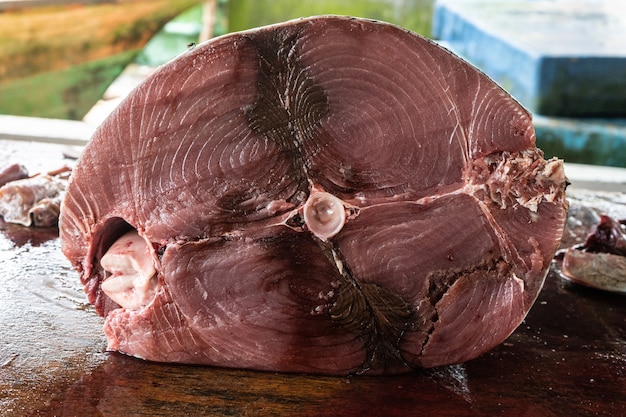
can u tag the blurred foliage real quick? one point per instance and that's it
(179, 33)
(63, 94)
(56, 61)
(415, 15)
(51, 68)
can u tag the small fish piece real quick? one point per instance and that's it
(601, 261)
(12, 172)
(46, 212)
(19, 198)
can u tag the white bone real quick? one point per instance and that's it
(132, 283)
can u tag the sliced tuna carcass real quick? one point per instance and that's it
(328, 195)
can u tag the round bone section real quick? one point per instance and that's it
(324, 214)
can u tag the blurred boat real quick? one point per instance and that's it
(57, 57)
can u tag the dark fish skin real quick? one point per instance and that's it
(329, 195)
(603, 271)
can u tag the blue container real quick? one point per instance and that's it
(557, 57)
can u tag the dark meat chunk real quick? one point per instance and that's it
(12, 172)
(607, 237)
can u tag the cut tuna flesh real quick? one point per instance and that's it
(329, 195)
(12, 172)
(32, 201)
(600, 262)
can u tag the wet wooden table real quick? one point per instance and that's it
(568, 358)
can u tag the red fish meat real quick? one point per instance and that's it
(328, 195)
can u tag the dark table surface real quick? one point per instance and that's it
(568, 358)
